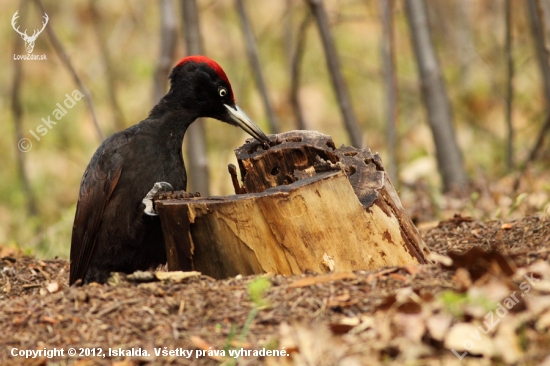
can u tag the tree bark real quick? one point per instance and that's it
(198, 179)
(436, 101)
(338, 82)
(309, 206)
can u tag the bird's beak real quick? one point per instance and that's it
(240, 118)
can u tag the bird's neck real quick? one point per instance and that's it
(171, 120)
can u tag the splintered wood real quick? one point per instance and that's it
(304, 205)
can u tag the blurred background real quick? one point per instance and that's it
(453, 94)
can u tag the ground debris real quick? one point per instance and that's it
(492, 304)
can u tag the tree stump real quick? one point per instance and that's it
(304, 205)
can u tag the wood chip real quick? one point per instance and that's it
(205, 346)
(412, 268)
(310, 281)
(176, 276)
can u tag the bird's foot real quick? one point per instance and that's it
(148, 200)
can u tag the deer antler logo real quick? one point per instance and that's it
(29, 41)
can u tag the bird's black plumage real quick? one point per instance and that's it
(111, 232)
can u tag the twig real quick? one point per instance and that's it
(338, 82)
(295, 63)
(254, 59)
(17, 111)
(67, 62)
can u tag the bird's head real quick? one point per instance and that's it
(201, 85)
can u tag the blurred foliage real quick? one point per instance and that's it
(470, 48)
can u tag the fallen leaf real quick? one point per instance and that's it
(467, 337)
(507, 341)
(462, 277)
(310, 281)
(52, 287)
(478, 262)
(438, 325)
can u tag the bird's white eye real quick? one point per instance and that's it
(223, 92)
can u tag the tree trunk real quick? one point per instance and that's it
(338, 82)
(438, 108)
(198, 177)
(168, 38)
(309, 206)
(254, 59)
(536, 20)
(390, 79)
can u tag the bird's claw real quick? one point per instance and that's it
(148, 200)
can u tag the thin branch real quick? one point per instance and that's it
(17, 110)
(296, 61)
(111, 75)
(388, 57)
(168, 38)
(338, 82)
(67, 62)
(509, 86)
(254, 59)
(196, 141)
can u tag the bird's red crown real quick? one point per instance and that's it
(211, 63)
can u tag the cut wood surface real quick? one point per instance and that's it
(307, 206)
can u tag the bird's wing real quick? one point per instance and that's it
(98, 183)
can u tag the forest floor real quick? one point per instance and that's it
(486, 300)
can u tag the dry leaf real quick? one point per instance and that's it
(462, 277)
(52, 287)
(467, 337)
(438, 325)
